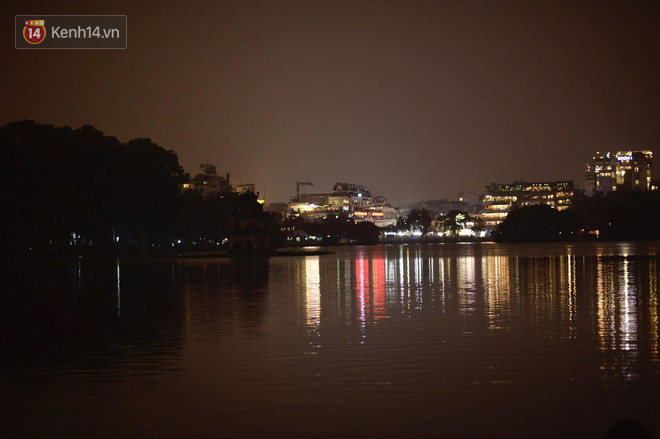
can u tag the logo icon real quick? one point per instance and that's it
(34, 31)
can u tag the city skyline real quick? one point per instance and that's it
(415, 101)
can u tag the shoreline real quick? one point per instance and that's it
(297, 251)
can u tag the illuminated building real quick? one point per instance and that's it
(382, 216)
(625, 170)
(353, 200)
(345, 197)
(348, 197)
(500, 198)
(599, 174)
(378, 212)
(633, 170)
(209, 183)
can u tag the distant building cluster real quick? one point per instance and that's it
(352, 200)
(209, 184)
(623, 170)
(631, 170)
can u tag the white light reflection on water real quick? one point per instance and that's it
(617, 317)
(312, 292)
(569, 289)
(653, 313)
(629, 309)
(440, 283)
(416, 297)
(495, 271)
(403, 284)
(465, 274)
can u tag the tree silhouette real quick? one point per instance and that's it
(59, 183)
(420, 219)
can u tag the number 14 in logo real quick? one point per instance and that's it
(34, 31)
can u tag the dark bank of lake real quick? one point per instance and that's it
(438, 340)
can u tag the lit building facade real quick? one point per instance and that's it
(624, 170)
(599, 174)
(633, 170)
(500, 198)
(381, 216)
(353, 200)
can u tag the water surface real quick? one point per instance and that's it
(446, 340)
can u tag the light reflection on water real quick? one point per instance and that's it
(418, 339)
(552, 292)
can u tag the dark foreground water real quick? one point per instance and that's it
(454, 340)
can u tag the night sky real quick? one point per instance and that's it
(417, 100)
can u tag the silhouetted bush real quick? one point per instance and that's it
(539, 223)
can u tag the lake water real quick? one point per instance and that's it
(415, 341)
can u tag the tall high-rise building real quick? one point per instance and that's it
(600, 174)
(633, 170)
(624, 170)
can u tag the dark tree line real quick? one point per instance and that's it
(622, 215)
(538, 223)
(64, 188)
